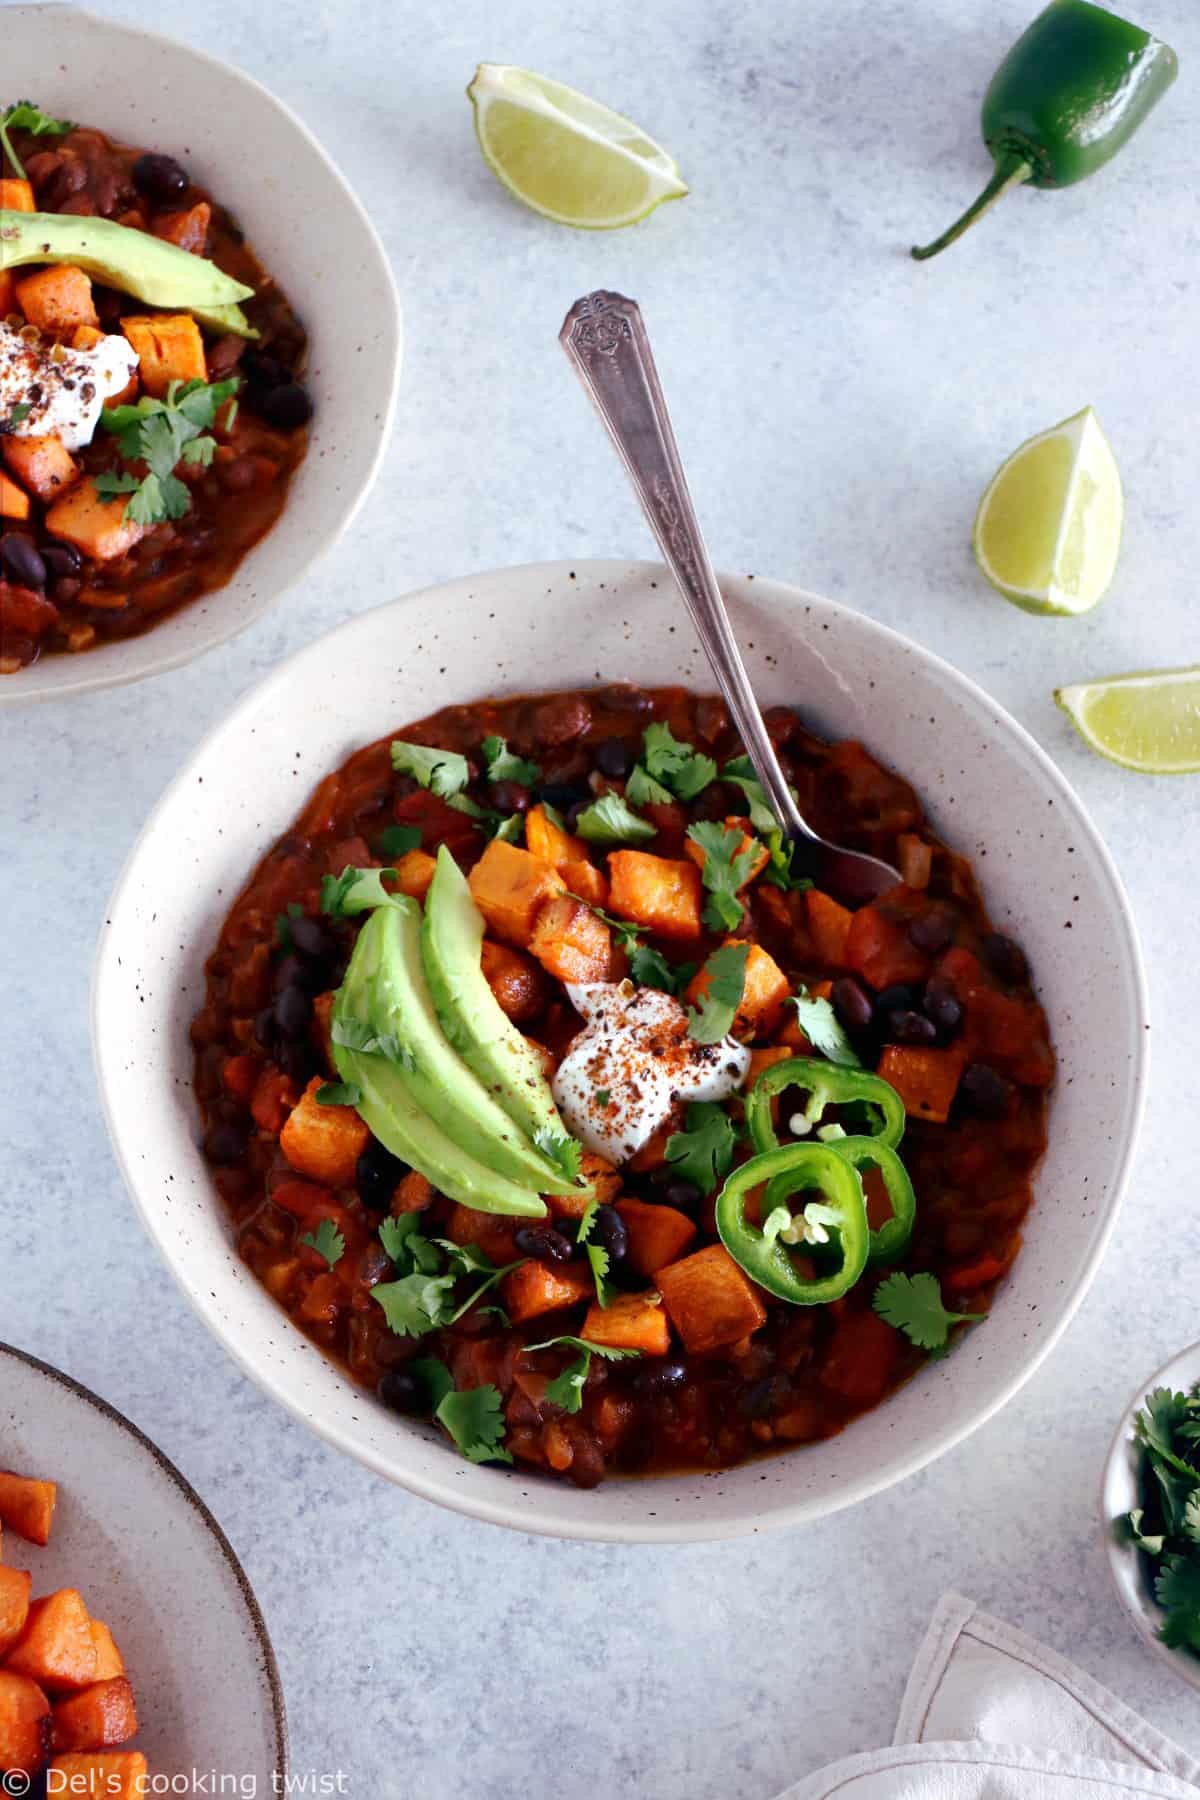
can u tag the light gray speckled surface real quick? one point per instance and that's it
(840, 410)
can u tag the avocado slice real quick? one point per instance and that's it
(386, 967)
(135, 262)
(472, 1018)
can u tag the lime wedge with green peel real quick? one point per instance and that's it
(566, 156)
(1048, 530)
(1148, 721)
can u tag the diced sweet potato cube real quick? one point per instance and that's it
(17, 196)
(536, 1288)
(508, 885)
(926, 1080)
(324, 1142)
(98, 1718)
(586, 880)
(273, 1098)
(632, 1322)
(861, 1359)
(100, 1774)
(764, 991)
(26, 1724)
(15, 1586)
(42, 466)
(27, 1505)
(187, 228)
(109, 1661)
(520, 986)
(878, 948)
(97, 527)
(829, 924)
(56, 300)
(746, 841)
(549, 841)
(414, 872)
(56, 1648)
(413, 1193)
(653, 1153)
(653, 891)
(709, 1299)
(14, 501)
(490, 1232)
(602, 1184)
(570, 941)
(169, 348)
(765, 1058)
(658, 1235)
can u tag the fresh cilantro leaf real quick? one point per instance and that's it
(824, 1030)
(779, 872)
(443, 772)
(162, 433)
(283, 924)
(358, 1035)
(1191, 1517)
(25, 116)
(651, 969)
(434, 1376)
(339, 1093)
(408, 1247)
(725, 869)
(466, 1259)
(913, 1304)
(564, 1152)
(201, 451)
(1132, 1525)
(398, 840)
(702, 1153)
(510, 830)
(416, 1303)
(679, 767)
(463, 803)
(327, 1241)
(502, 765)
(111, 482)
(474, 1417)
(1162, 1415)
(495, 1312)
(625, 934)
(566, 1390)
(353, 891)
(17, 416)
(1175, 1489)
(740, 771)
(1177, 1590)
(609, 820)
(726, 971)
(642, 789)
(597, 1255)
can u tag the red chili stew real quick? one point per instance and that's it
(926, 991)
(76, 570)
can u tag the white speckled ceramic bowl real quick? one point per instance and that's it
(1119, 1494)
(990, 790)
(152, 1562)
(148, 90)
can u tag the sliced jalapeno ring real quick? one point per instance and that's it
(891, 1238)
(760, 1251)
(826, 1084)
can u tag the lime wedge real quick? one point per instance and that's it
(566, 156)
(1048, 530)
(1148, 721)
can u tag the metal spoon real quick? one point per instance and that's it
(605, 339)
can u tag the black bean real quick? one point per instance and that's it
(984, 1092)
(296, 1060)
(905, 1027)
(1005, 959)
(310, 937)
(574, 811)
(263, 371)
(266, 1031)
(286, 407)
(940, 1002)
(610, 1232)
(897, 998)
(66, 589)
(543, 1243)
(61, 560)
(160, 177)
(288, 972)
(657, 1377)
(20, 560)
(614, 758)
(564, 794)
(293, 1010)
(376, 1176)
(403, 1391)
(764, 1397)
(852, 1003)
(225, 1143)
(509, 797)
(684, 1195)
(933, 930)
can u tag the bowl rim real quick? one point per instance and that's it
(1116, 1479)
(14, 691)
(509, 1513)
(203, 1512)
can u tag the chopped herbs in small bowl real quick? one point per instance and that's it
(1151, 1509)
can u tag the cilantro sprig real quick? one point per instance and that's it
(502, 764)
(398, 840)
(162, 434)
(443, 772)
(327, 1241)
(1166, 1527)
(702, 1152)
(353, 891)
(597, 1255)
(823, 1029)
(913, 1304)
(680, 768)
(709, 1022)
(25, 116)
(566, 1389)
(650, 968)
(725, 870)
(423, 1296)
(611, 820)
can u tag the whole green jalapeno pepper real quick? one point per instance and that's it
(1070, 93)
(834, 1226)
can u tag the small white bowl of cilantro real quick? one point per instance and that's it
(1151, 1512)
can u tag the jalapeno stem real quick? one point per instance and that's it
(1010, 172)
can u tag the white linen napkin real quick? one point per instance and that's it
(990, 1714)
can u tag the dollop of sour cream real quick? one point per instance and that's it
(633, 1063)
(64, 389)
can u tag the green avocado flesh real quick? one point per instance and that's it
(425, 1105)
(147, 267)
(471, 1016)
